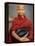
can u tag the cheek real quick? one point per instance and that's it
(18, 11)
(23, 11)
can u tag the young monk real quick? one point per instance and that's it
(21, 21)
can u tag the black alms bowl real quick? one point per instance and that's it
(22, 32)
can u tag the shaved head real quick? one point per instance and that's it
(19, 6)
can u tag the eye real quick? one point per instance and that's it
(18, 9)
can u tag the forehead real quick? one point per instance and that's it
(19, 6)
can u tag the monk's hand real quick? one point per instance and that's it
(25, 39)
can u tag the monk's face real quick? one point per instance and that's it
(20, 9)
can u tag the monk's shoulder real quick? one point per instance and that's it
(15, 19)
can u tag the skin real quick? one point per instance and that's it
(20, 10)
